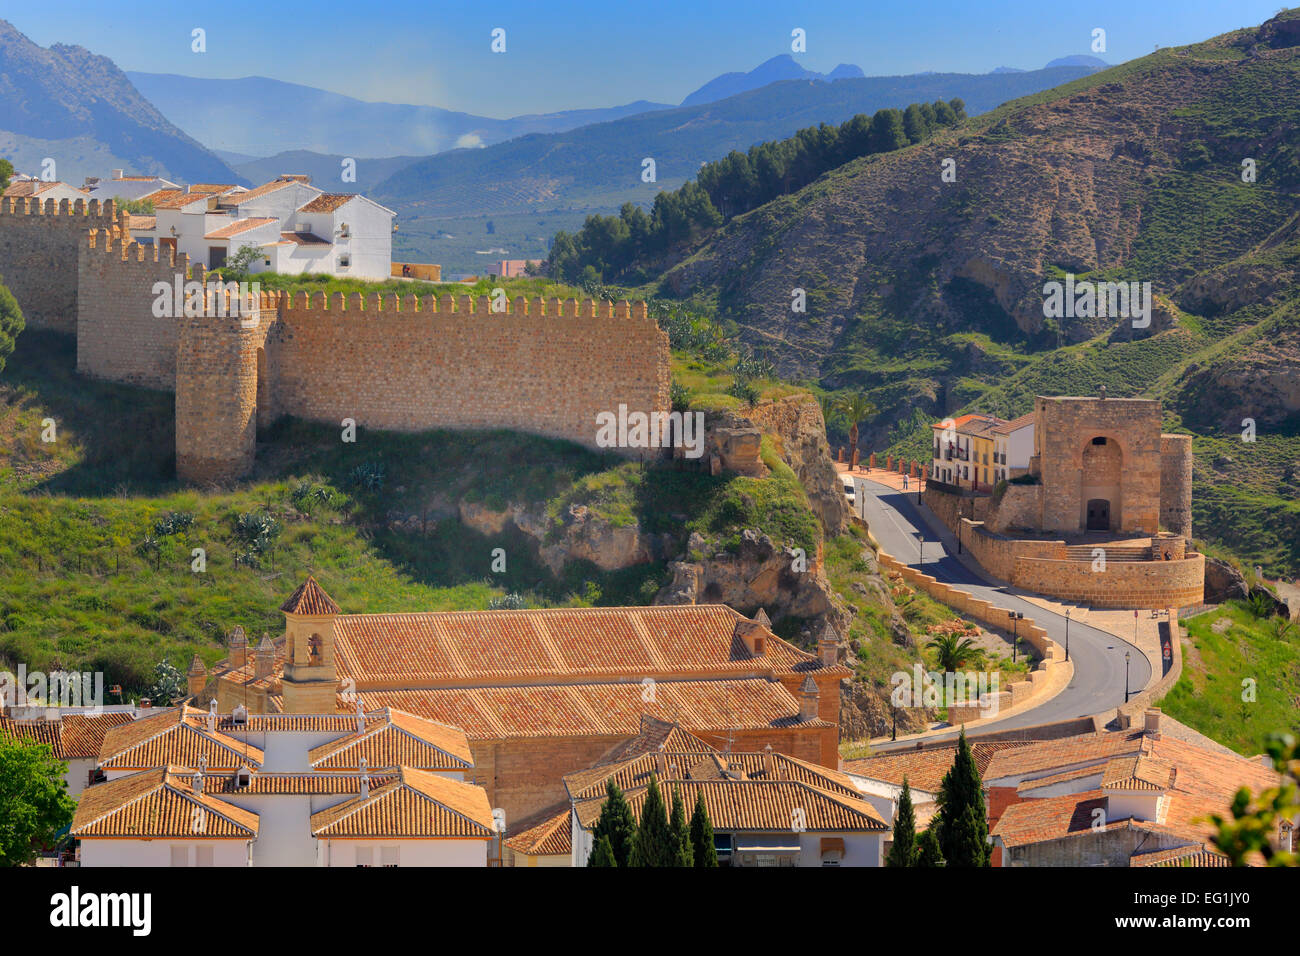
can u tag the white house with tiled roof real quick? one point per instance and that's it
(296, 226)
(121, 186)
(187, 787)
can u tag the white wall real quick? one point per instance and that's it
(1020, 447)
(409, 852)
(283, 204)
(369, 243)
(159, 852)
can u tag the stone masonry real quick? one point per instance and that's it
(546, 367)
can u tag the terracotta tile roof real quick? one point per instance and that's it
(237, 227)
(158, 803)
(1052, 756)
(1006, 428)
(924, 769)
(1196, 855)
(1051, 818)
(328, 202)
(275, 784)
(302, 239)
(258, 192)
(399, 740)
(1065, 776)
(310, 600)
(37, 731)
(341, 723)
(552, 837)
(656, 735)
(34, 187)
(602, 709)
(416, 805)
(758, 805)
(174, 199)
(83, 734)
(1139, 772)
(172, 738)
(659, 642)
(142, 223)
(209, 189)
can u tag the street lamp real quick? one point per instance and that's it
(921, 537)
(1126, 658)
(1067, 635)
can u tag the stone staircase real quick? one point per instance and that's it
(1083, 552)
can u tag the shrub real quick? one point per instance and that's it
(174, 522)
(508, 602)
(368, 476)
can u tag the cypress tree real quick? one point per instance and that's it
(904, 850)
(602, 854)
(617, 823)
(703, 852)
(928, 853)
(680, 831)
(963, 821)
(653, 845)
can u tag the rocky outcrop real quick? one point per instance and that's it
(1261, 383)
(1223, 582)
(758, 575)
(865, 713)
(799, 434)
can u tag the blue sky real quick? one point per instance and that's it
(568, 54)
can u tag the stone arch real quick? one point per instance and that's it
(1101, 483)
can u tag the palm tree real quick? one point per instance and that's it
(856, 408)
(954, 651)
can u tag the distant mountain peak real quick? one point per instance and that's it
(781, 67)
(1078, 59)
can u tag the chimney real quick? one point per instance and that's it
(808, 699)
(212, 716)
(197, 676)
(365, 780)
(661, 765)
(117, 173)
(828, 646)
(237, 642)
(1151, 723)
(264, 658)
(361, 719)
(196, 782)
(769, 763)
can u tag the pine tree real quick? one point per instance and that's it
(904, 850)
(703, 852)
(653, 845)
(963, 820)
(617, 823)
(680, 831)
(602, 854)
(928, 853)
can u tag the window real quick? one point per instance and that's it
(1099, 441)
(180, 856)
(203, 856)
(365, 856)
(345, 261)
(389, 855)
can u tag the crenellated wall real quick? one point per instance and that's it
(547, 367)
(40, 245)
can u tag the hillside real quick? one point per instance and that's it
(247, 115)
(79, 109)
(929, 296)
(535, 185)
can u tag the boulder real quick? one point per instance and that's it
(1223, 582)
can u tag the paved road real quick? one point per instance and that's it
(1098, 657)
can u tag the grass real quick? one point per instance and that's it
(1230, 651)
(88, 580)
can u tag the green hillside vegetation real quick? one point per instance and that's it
(928, 296)
(1233, 654)
(634, 242)
(96, 537)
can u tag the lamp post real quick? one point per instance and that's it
(1067, 635)
(921, 537)
(1126, 659)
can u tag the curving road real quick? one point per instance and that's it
(1098, 657)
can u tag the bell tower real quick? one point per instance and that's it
(309, 683)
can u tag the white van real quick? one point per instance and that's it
(848, 488)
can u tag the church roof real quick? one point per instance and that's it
(310, 600)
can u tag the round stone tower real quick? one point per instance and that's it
(216, 396)
(1176, 484)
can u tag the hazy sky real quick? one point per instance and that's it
(568, 54)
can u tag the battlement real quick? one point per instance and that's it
(456, 305)
(84, 213)
(117, 239)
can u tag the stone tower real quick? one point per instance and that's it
(1176, 484)
(196, 678)
(309, 682)
(216, 393)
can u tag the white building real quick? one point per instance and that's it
(119, 186)
(188, 788)
(297, 227)
(1013, 446)
(43, 191)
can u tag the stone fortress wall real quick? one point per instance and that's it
(546, 367)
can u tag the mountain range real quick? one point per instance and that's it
(78, 109)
